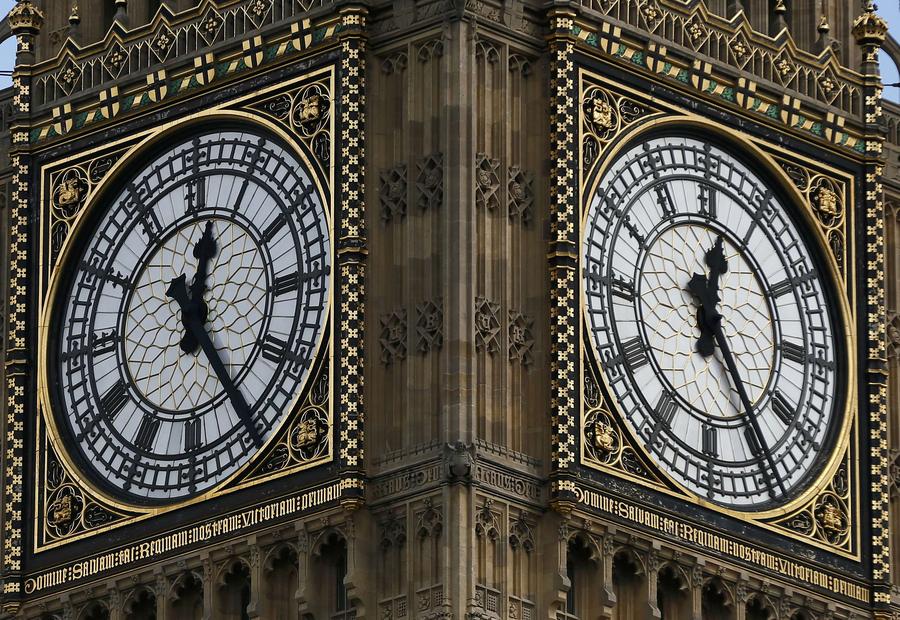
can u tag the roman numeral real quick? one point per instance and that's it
(107, 275)
(196, 195)
(292, 281)
(192, 435)
(286, 284)
(622, 288)
(793, 352)
(710, 440)
(633, 231)
(115, 398)
(752, 441)
(708, 201)
(150, 224)
(146, 433)
(664, 199)
(273, 349)
(104, 343)
(273, 228)
(665, 412)
(665, 408)
(782, 288)
(782, 409)
(634, 353)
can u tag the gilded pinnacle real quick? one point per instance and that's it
(823, 27)
(74, 18)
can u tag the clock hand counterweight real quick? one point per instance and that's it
(709, 320)
(193, 319)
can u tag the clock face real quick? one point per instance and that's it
(189, 316)
(709, 315)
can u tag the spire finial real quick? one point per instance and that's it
(779, 23)
(824, 41)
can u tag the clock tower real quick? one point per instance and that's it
(423, 310)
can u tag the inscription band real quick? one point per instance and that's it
(199, 533)
(674, 528)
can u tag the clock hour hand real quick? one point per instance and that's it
(204, 251)
(194, 326)
(706, 290)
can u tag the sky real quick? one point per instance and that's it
(889, 9)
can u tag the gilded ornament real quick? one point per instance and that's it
(310, 109)
(68, 76)
(25, 18)
(827, 201)
(602, 114)
(740, 49)
(604, 438)
(68, 192)
(62, 512)
(115, 60)
(258, 8)
(650, 12)
(832, 517)
(784, 67)
(306, 434)
(696, 31)
(869, 28)
(163, 42)
(211, 24)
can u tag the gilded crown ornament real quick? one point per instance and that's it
(25, 18)
(869, 28)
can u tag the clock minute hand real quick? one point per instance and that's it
(749, 411)
(194, 326)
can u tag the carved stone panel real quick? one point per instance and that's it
(429, 325)
(393, 337)
(487, 325)
(430, 182)
(487, 182)
(393, 193)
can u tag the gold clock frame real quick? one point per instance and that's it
(846, 432)
(233, 110)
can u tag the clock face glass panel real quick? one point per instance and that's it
(709, 315)
(190, 314)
